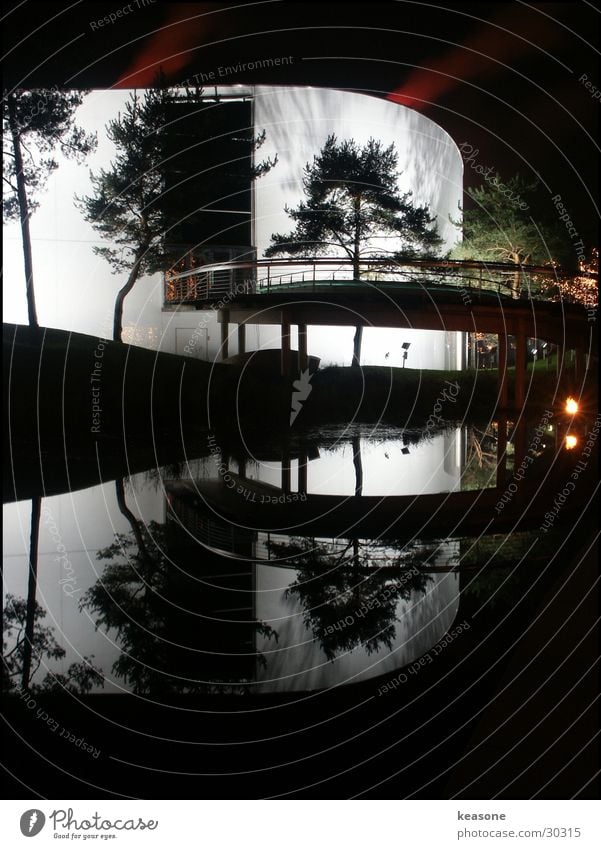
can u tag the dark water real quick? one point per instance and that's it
(167, 592)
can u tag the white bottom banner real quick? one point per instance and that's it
(252, 824)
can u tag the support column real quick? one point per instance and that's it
(224, 318)
(242, 338)
(520, 370)
(285, 360)
(302, 473)
(286, 473)
(303, 359)
(502, 386)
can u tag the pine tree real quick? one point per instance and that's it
(35, 124)
(126, 202)
(130, 203)
(352, 201)
(507, 223)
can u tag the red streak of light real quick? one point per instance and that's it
(171, 48)
(475, 59)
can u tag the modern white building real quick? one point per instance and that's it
(297, 121)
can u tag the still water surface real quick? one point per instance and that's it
(173, 598)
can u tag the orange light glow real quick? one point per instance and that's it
(571, 406)
(571, 441)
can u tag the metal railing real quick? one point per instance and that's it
(210, 283)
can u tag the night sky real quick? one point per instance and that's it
(504, 78)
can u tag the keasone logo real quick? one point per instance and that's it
(32, 822)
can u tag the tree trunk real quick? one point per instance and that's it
(23, 213)
(135, 525)
(357, 339)
(358, 465)
(124, 291)
(515, 285)
(357, 238)
(356, 557)
(36, 504)
(357, 276)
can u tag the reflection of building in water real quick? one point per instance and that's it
(406, 465)
(213, 627)
(246, 619)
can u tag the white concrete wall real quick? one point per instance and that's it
(298, 120)
(297, 662)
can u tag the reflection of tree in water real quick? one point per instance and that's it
(349, 597)
(169, 636)
(80, 677)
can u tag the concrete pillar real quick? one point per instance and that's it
(286, 473)
(242, 338)
(520, 371)
(224, 318)
(285, 361)
(502, 386)
(303, 359)
(302, 473)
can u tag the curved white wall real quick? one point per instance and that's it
(298, 121)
